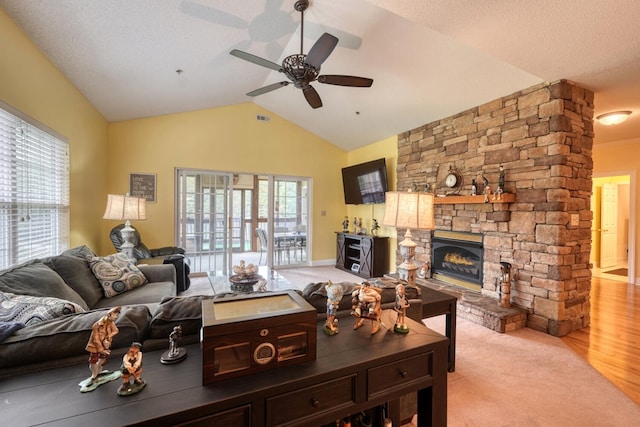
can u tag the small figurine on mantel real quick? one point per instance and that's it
(400, 307)
(99, 348)
(132, 367)
(474, 187)
(175, 354)
(487, 189)
(374, 227)
(345, 224)
(365, 301)
(357, 224)
(335, 292)
(500, 188)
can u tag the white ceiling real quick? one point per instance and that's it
(429, 59)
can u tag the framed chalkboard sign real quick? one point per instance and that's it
(143, 185)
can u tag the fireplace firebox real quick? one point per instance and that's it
(457, 258)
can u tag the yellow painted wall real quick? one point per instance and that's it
(224, 139)
(617, 159)
(31, 84)
(387, 148)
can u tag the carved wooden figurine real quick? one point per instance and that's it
(99, 348)
(366, 305)
(335, 291)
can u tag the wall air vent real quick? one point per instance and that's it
(261, 118)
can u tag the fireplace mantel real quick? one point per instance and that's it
(453, 200)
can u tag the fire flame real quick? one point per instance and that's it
(454, 258)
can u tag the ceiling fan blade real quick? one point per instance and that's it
(321, 50)
(267, 88)
(256, 59)
(336, 79)
(312, 97)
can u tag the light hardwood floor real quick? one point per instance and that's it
(612, 343)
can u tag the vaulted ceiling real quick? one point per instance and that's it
(428, 58)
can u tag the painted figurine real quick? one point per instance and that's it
(487, 189)
(366, 305)
(356, 225)
(375, 227)
(99, 348)
(132, 368)
(400, 307)
(345, 224)
(335, 292)
(500, 188)
(175, 353)
(474, 187)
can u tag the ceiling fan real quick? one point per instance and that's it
(303, 69)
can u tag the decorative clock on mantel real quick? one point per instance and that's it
(453, 180)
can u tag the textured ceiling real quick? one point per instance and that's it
(428, 59)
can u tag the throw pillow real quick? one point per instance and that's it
(116, 273)
(76, 273)
(29, 310)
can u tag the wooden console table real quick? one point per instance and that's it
(353, 371)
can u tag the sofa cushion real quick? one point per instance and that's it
(35, 278)
(76, 273)
(30, 310)
(116, 273)
(150, 294)
(173, 311)
(67, 336)
(82, 251)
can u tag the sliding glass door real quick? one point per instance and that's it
(223, 218)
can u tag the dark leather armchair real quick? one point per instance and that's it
(168, 254)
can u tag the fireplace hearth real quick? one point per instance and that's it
(457, 258)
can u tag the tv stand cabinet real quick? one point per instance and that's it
(366, 256)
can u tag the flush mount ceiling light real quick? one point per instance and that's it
(613, 118)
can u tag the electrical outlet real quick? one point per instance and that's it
(575, 220)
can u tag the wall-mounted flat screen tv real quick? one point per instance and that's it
(365, 183)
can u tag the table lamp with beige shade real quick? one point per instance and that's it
(410, 210)
(126, 208)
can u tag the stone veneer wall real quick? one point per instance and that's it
(543, 136)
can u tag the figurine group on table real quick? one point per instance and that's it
(366, 303)
(99, 347)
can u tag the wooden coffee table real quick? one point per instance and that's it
(436, 303)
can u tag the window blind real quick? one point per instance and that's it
(34, 191)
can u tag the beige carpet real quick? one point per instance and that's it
(522, 378)
(527, 378)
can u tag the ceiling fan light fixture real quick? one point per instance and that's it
(613, 118)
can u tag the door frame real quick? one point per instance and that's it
(631, 256)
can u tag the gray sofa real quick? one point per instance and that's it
(78, 302)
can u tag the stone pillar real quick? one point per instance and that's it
(542, 136)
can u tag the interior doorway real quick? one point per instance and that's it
(613, 229)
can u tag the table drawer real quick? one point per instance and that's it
(308, 402)
(398, 373)
(240, 417)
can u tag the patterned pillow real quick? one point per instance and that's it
(116, 273)
(30, 310)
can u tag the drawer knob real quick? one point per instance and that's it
(315, 402)
(404, 374)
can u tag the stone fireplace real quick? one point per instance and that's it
(457, 258)
(542, 137)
